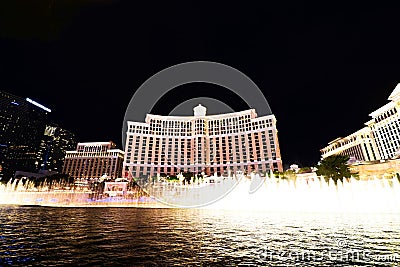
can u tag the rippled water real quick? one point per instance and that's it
(45, 236)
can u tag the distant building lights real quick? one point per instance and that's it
(15, 103)
(38, 105)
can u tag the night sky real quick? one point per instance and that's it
(322, 68)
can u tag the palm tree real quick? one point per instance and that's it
(334, 167)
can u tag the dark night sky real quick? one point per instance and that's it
(322, 68)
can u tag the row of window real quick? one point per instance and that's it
(388, 139)
(239, 148)
(93, 154)
(386, 115)
(201, 126)
(137, 171)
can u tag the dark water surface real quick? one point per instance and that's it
(42, 236)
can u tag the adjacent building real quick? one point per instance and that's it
(359, 146)
(94, 160)
(238, 141)
(53, 146)
(22, 124)
(379, 140)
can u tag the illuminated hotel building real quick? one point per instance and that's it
(379, 140)
(93, 160)
(200, 143)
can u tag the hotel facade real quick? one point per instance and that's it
(93, 160)
(379, 140)
(200, 143)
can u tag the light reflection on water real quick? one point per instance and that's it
(180, 237)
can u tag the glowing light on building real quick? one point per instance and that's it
(38, 105)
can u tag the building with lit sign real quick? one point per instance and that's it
(202, 143)
(93, 160)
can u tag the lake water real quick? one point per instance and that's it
(46, 236)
